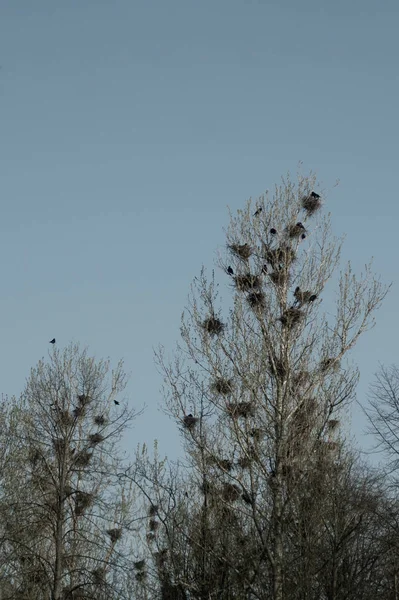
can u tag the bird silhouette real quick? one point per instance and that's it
(314, 195)
(313, 297)
(273, 231)
(230, 271)
(257, 212)
(52, 341)
(303, 236)
(116, 402)
(300, 226)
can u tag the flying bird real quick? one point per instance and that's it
(52, 341)
(257, 212)
(230, 271)
(116, 402)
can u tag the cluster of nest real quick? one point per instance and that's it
(291, 317)
(222, 386)
(99, 420)
(213, 325)
(83, 500)
(329, 364)
(243, 251)
(95, 438)
(83, 458)
(311, 203)
(114, 534)
(189, 422)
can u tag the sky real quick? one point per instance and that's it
(128, 127)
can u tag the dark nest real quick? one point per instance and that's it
(153, 525)
(291, 317)
(79, 411)
(114, 534)
(231, 492)
(241, 250)
(189, 421)
(83, 458)
(246, 497)
(83, 399)
(244, 462)
(82, 501)
(247, 282)
(213, 326)
(311, 203)
(329, 364)
(279, 277)
(222, 386)
(160, 557)
(59, 445)
(140, 576)
(295, 231)
(98, 576)
(302, 297)
(99, 420)
(332, 424)
(139, 565)
(257, 434)
(278, 368)
(301, 378)
(66, 417)
(153, 510)
(96, 438)
(257, 300)
(225, 464)
(240, 409)
(282, 256)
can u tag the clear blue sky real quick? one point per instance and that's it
(128, 126)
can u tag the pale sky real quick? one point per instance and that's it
(127, 127)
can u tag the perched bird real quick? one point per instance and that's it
(273, 231)
(230, 271)
(313, 297)
(314, 195)
(264, 268)
(257, 212)
(303, 236)
(300, 226)
(52, 341)
(116, 402)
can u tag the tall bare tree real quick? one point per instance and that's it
(66, 513)
(258, 393)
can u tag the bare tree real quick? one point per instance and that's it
(257, 394)
(66, 513)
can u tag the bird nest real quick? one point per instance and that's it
(96, 438)
(247, 282)
(153, 525)
(301, 378)
(311, 203)
(246, 497)
(83, 458)
(302, 297)
(153, 510)
(66, 418)
(59, 445)
(244, 462)
(291, 317)
(283, 255)
(230, 492)
(160, 558)
(140, 576)
(99, 420)
(329, 364)
(139, 565)
(332, 424)
(240, 409)
(279, 277)
(257, 434)
(189, 421)
(98, 576)
(225, 464)
(243, 251)
(84, 399)
(222, 386)
(213, 326)
(79, 411)
(257, 300)
(278, 368)
(295, 231)
(114, 534)
(82, 501)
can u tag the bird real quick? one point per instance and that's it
(257, 212)
(314, 195)
(303, 236)
(313, 297)
(300, 226)
(230, 271)
(264, 268)
(116, 402)
(273, 231)
(52, 341)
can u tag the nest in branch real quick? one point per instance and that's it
(82, 501)
(114, 534)
(329, 364)
(280, 277)
(240, 409)
(65, 417)
(150, 537)
(231, 492)
(153, 525)
(291, 317)
(244, 462)
(222, 386)
(295, 231)
(79, 411)
(96, 438)
(189, 421)
(300, 378)
(257, 300)
(99, 420)
(83, 458)
(332, 424)
(213, 326)
(140, 576)
(83, 399)
(225, 464)
(257, 434)
(278, 368)
(311, 203)
(241, 250)
(98, 576)
(153, 510)
(59, 445)
(247, 282)
(281, 256)
(139, 565)
(302, 297)
(160, 557)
